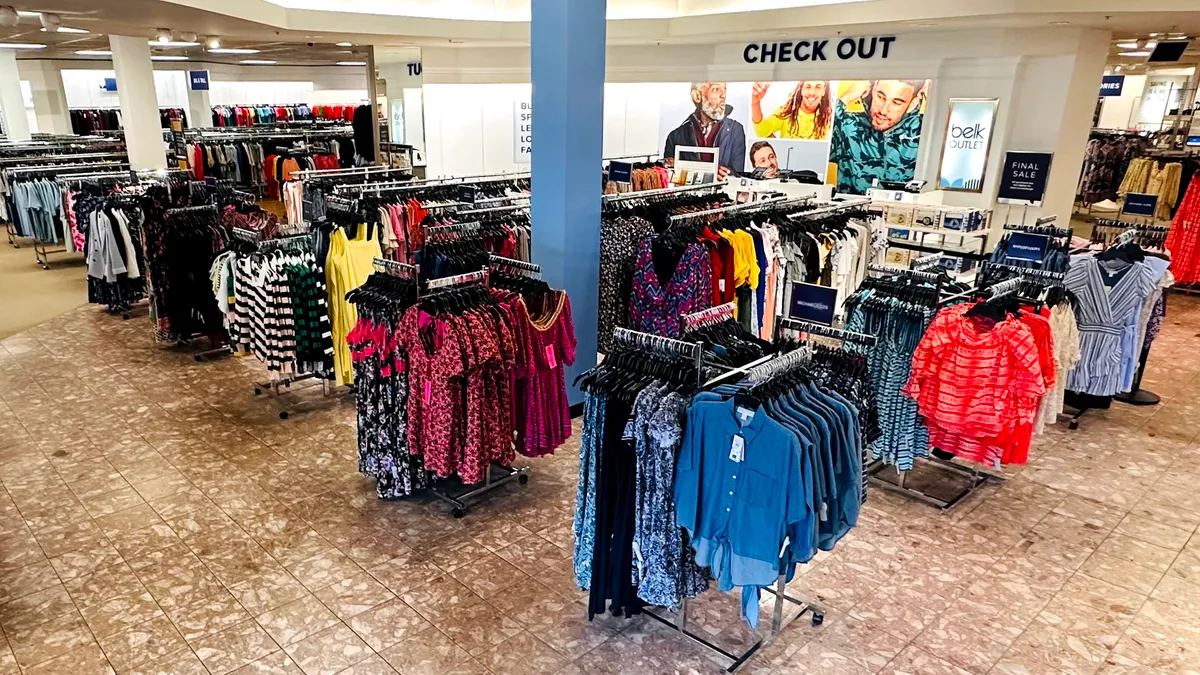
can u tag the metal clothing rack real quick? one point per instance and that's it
(786, 323)
(926, 262)
(494, 209)
(832, 209)
(661, 192)
(762, 205)
(900, 271)
(695, 350)
(41, 250)
(496, 475)
(512, 265)
(709, 317)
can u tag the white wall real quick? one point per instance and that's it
(1046, 81)
(1117, 112)
(85, 89)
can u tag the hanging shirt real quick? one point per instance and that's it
(658, 309)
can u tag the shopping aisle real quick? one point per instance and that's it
(31, 294)
(159, 518)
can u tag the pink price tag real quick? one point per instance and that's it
(550, 359)
(428, 390)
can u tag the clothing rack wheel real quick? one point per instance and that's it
(460, 502)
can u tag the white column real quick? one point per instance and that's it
(12, 103)
(199, 109)
(139, 102)
(404, 88)
(49, 96)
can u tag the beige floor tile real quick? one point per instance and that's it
(296, 620)
(388, 623)
(330, 651)
(234, 647)
(144, 643)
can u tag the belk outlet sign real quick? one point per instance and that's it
(845, 49)
(967, 144)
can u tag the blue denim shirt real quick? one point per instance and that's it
(739, 514)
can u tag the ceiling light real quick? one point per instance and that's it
(1135, 53)
(50, 21)
(352, 63)
(163, 57)
(344, 44)
(927, 24)
(257, 62)
(1118, 69)
(187, 37)
(1151, 44)
(213, 42)
(20, 45)
(93, 52)
(1127, 45)
(1154, 35)
(232, 50)
(162, 35)
(1060, 23)
(173, 43)
(67, 29)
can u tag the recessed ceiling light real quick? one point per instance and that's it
(213, 42)
(344, 44)
(1127, 45)
(257, 62)
(1060, 23)
(352, 63)
(1151, 44)
(20, 45)
(162, 35)
(232, 50)
(173, 44)
(67, 29)
(1117, 69)
(94, 52)
(927, 24)
(1154, 35)
(1135, 53)
(164, 57)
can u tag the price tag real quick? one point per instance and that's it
(550, 358)
(737, 451)
(428, 390)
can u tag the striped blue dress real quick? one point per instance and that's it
(1108, 320)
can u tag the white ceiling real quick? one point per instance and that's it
(282, 28)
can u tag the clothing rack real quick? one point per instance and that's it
(504, 474)
(471, 226)
(662, 192)
(926, 262)
(784, 323)
(394, 268)
(710, 316)
(506, 198)
(900, 271)
(1028, 271)
(623, 337)
(1048, 230)
(494, 209)
(518, 266)
(770, 204)
(434, 182)
(832, 209)
(191, 209)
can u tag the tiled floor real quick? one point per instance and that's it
(158, 518)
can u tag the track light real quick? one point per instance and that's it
(213, 42)
(50, 21)
(162, 35)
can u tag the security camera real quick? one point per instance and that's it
(309, 43)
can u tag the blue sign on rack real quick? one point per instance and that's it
(813, 303)
(1027, 247)
(1138, 204)
(110, 84)
(620, 172)
(466, 194)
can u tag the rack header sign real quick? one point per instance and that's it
(1023, 178)
(1027, 247)
(110, 84)
(620, 172)
(198, 80)
(1112, 85)
(1138, 204)
(814, 303)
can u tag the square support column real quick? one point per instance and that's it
(139, 102)
(567, 53)
(12, 102)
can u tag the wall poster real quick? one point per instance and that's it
(849, 133)
(967, 144)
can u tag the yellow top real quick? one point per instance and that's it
(774, 126)
(349, 264)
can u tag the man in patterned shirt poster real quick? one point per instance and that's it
(876, 132)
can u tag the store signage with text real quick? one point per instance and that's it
(198, 80)
(1112, 85)
(522, 131)
(813, 303)
(620, 172)
(967, 144)
(1023, 178)
(846, 49)
(1027, 247)
(1138, 204)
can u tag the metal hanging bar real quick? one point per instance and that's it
(494, 209)
(925, 262)
(192, 209)
(395, 268)
(762, 205)
(826, 331)
(832, 209)
(514, 265)
(1027, 271)
(662, 192)
(710, 316)
(458, 280)
(900, 271)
